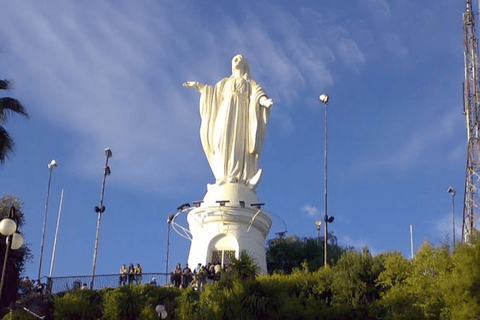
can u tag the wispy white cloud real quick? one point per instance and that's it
(349, 51)
(441, 229)
(412, 150)
(379, 10)
(424, 139)
(111, 75)
(310, 210)
(393, 45)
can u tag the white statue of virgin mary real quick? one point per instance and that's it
(234, 115)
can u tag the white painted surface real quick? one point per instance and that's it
(234, 116)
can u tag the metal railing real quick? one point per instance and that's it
(60, 284)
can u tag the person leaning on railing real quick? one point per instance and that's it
(131, 273)
(187, 276)
(123, 275)
(177, 276)
(153, 282)
(138, 274)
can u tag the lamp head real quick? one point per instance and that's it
(451, 190)
(108, 153)
(99, 209)
(17, 241)
(52, 164)
(184, 207)
(281, 234)
(7, 227)
(324, 98)
(257, 205)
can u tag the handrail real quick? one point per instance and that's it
(56, 285)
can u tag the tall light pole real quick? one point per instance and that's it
(324, 99)
(56, 235)
(452, 192)
(169, 222)
(100, 209)
(51, 165)
(8, 227)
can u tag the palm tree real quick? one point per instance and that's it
(244, 267)
(8, 106)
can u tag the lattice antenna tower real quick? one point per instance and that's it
(472, 112)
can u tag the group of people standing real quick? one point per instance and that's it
(27, 286)
(182, 278)
(131, 275)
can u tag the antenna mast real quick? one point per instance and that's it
(471, 109)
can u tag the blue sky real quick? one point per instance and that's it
(108, 74)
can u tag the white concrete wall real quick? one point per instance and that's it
(227, 228)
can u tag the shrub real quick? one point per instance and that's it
(78, 304)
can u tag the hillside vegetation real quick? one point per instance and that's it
(436, 284)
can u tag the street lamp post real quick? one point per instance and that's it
(55, 238)
(100, 209)
(169, 222)
(8, 227)
(324, 99)
(51, 165)
(318, 224)
(452, 192)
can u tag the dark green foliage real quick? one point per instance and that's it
(354, 279)
(19, 315)
(244, 267)
(79, 304)
(125, 302)
(285, 254)
(260, 301)
(137, 302)
(188, 305)
(31, 307)
(16, 258)
(436, 284)
(8, 106)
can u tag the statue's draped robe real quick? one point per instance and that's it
(233, 129)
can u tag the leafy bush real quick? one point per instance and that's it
(436, 284)
(79, 304)
(131, 302)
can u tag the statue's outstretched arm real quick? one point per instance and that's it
(266, 102)
(194, 84)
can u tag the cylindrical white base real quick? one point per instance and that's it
(220, 231)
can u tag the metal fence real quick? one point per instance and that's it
(61, 284)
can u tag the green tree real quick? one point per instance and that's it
(79, 304)
(8, 107)
(461, 286)
(285, 254)
(132, 302)
(16, 258)
(354, 281)
(415, 289)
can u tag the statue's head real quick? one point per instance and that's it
(241, 63)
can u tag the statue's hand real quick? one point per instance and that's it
(190, 84)
(193, 84)
(266, 102)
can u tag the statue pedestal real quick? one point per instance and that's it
(222, 231)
